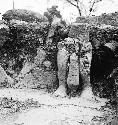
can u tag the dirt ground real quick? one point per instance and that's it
(50, 110)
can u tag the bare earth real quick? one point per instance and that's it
(83, 110)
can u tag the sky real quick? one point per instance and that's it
(68, 11)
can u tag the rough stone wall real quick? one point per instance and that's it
(4, 78)
(40, 73)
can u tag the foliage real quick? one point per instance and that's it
(24, 15)
(104, 19)
(57, 30)
(104, 35)
(108, 19)
(24, 37)
(21, 42)
(3, 36)
(51, 12)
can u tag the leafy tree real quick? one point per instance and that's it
(57, 28)
(83, 8)
(51, 12)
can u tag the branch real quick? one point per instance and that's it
(92, 6)
(76, 5)
(71, 3)
(80, 13)
(82, 5)
(94, 2)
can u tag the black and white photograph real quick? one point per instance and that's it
(58, 62)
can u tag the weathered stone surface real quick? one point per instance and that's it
(41, 55)
(62, 58)
(27, 82)
(25, 70)
(39, 78)
(4, 77)
(37, 74)
(28, 66)
(73, 76)
(44, 77)
(47, 64)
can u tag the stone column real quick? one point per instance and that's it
(62, 60)
(73, 76)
